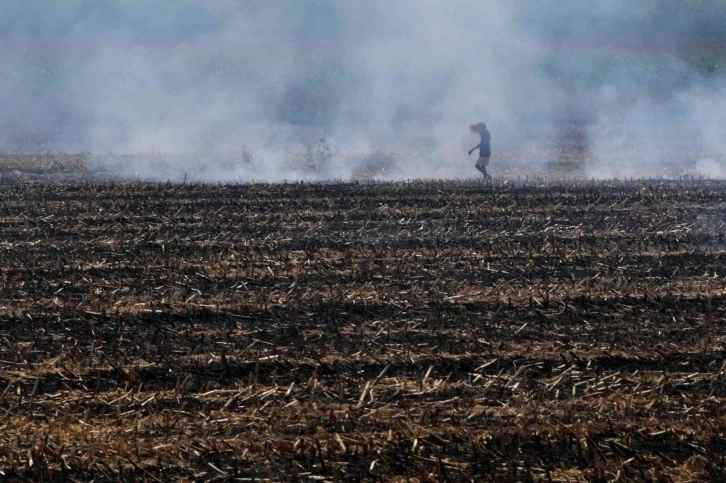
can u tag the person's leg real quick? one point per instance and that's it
(481, 165)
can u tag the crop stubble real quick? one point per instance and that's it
(426, 331)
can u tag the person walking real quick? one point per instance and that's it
(484, 146)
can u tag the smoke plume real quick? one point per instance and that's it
(228, 90)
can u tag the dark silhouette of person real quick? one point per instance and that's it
(484, 146)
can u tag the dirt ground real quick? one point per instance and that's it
(426, 331)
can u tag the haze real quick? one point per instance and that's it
(237, 91)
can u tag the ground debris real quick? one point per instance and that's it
(422, 331)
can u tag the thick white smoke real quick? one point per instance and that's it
(227, 90)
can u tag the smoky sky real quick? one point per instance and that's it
(224, 76)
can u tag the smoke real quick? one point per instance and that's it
(228, 90)
(708, 168)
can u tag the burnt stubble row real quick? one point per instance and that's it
(420, 331)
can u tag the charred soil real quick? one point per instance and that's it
(423, 331)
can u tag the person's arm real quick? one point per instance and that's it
(474, 148)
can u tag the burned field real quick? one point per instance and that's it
(363, 332)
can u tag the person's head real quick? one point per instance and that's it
(478, 128)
